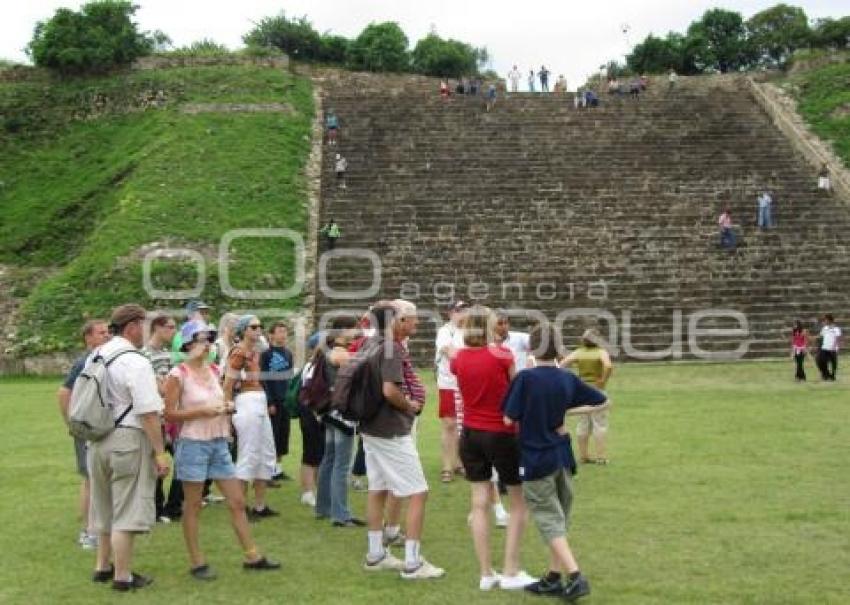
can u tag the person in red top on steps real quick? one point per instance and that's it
(484, 371)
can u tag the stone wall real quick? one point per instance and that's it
(170, 62)
(53, 364)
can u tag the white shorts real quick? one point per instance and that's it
(393, 465)
(823, 183)
(256, 457)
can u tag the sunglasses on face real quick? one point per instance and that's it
(256, 326)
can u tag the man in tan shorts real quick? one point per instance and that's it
(123, 466)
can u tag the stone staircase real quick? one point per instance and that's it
(604, 216)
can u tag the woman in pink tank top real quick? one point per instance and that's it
(194, 399)
(799, 349)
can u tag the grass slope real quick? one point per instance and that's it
(727, 485)
(88, 198)
(824, 101)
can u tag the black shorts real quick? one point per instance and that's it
(481, 451)
(312, 438)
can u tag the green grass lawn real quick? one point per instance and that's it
(728, 484)
(824, 101)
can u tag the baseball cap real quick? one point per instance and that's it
(192, 328)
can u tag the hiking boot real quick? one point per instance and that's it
(546, 586)
(574, 589)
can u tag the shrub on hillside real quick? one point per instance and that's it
(380, 47)
(434, 56)
(98, 37)
(832, 33)
(296, 36)
(201, 48)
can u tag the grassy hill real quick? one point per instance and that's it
(823, 96)
(96, 171)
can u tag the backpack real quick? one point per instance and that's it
(290, 404)
(316, 390)
(90, 415)
(358, 392)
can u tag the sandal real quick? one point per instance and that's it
(446, 476)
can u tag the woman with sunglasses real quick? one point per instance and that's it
(194, 399)
(255, 452)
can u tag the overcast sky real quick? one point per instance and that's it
(570, 37)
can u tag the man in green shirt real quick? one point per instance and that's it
(331, 232)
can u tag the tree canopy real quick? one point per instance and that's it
(721, 40)
(98, 37)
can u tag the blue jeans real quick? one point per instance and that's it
(765, 220)
(727, 238)
(332, 496)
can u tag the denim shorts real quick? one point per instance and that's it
(201, 460)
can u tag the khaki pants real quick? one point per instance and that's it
(123, 481)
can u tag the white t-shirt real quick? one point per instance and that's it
(514, 76)
(520, 345)
(130, 379)
(447, 336)
(830, 336)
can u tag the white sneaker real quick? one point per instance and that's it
(517, 582)
(163, 519)
(387, 563)
(308, 499)
(502, 520)
(425, 571)
(489, 582)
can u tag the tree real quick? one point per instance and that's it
(380, 47)
(832, 33)
(333, 49)
(718, 41)
(775, 33)
(655, 55)
(160, 41)
(434, 56)
(98, 37)
(296, 37)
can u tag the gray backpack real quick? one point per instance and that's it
(90, 415)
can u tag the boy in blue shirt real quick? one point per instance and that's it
(538, 400)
